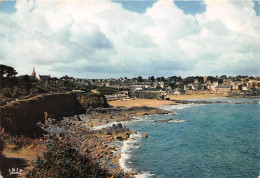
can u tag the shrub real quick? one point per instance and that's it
(7, 92)
(2, 145)
(61, 160)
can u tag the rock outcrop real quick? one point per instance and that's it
(163, 120)
(144, 135)
(20, 117)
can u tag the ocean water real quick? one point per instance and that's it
(215, 140)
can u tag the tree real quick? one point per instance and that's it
(140, 79)
(212, 79)
(7, 74)
(223, 77)
(66, 78)
(151, 78)
(173, 85)
(26, 83)
(220, 81)
(7, 71)
(162, 79)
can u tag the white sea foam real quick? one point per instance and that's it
(126, 150)
(135, 119)
(104, 126)
(111, 123)
(144, 175)
(175, 120)
(179, 106)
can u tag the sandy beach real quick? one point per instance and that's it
(141, 103)
(158, 103)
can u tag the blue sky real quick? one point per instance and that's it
(140, 6)
(103, 39)
(7, 6)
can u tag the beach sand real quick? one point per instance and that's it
(159, 103)
(141, 103)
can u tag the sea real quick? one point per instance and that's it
(203, 140)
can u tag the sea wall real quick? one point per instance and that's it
(20, 117)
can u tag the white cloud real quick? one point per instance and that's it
(102, 39)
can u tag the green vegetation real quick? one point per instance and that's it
(18, 141)
(62, 160)
(12, 87)
(15, 87)
(2, 145)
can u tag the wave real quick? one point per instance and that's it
(129, 145)
(144, 175)
(104, 126)
(99, 127)
(176, 120)
(179, 106)
(135, 119)
(126, 150)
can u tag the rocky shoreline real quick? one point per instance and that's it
(103, 144)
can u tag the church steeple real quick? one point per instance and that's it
(34, 73)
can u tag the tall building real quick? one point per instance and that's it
(34, 73)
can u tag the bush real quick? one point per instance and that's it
(7, 92)
(61, 160)
(2, 145)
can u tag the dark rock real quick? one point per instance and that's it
(163, 120)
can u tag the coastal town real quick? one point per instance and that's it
(163, 88)
(174, 85)
(239, 85)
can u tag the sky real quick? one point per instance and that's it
(120, 38)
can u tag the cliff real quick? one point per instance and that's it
(20, 117)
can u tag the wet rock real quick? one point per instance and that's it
(144, 135)
(119, 138)
(163, 120)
